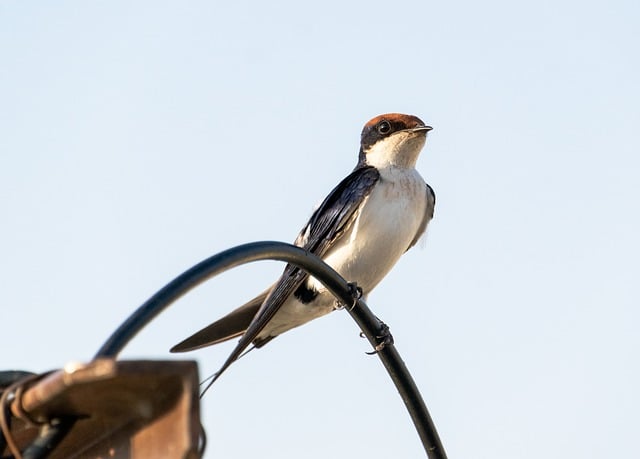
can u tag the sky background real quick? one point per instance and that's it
(138, 138)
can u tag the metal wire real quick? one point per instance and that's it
(15, 382)
(343, 291)
(5, 422)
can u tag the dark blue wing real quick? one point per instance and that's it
(327, 223)
(428, 215)
(336, 212)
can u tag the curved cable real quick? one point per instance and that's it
(336, 284)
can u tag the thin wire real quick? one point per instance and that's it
(8, 395)
(13, 394)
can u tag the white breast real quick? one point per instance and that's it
(383, 230)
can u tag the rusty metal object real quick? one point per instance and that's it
(121, 409)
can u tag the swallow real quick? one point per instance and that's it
(361, 229)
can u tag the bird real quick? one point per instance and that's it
(361, 229)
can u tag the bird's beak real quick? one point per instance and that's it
(420, 128)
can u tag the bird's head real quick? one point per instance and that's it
(393, 139)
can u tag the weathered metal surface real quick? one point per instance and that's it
(123, 409)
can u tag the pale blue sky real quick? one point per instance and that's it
(138, 138)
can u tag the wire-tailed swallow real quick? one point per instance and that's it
(361, 229)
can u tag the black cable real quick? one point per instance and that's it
(212, 266)
(48, 438)
(368, 323)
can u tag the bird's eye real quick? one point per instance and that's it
(384, 127)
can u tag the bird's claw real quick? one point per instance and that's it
(385, 338)
(356, 293)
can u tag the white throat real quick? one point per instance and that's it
(400, 149)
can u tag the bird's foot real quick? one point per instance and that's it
(384, 338)
(356, 293)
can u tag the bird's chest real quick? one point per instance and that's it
(383, 229)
